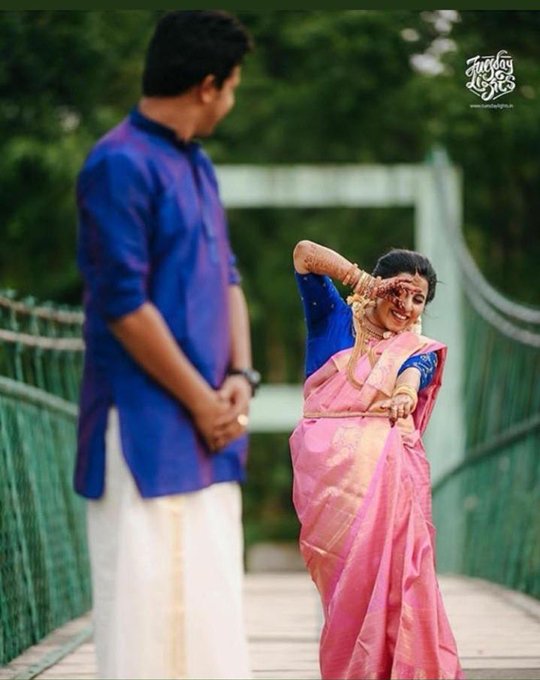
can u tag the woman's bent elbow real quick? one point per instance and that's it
(300, 252)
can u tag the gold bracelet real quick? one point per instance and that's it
(350, 274)
(364, 284)
(359, 282)
(409, 391)
(369, 287)
(374, 284)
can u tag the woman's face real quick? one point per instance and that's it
(399, 314)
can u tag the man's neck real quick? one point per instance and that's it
(178, 113)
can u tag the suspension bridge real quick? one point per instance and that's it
(483, 443)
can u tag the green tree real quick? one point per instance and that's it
(64, 77)
(497, 149)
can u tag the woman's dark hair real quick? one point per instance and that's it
(189, 45)
(398, 261)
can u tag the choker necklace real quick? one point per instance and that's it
(371, 331)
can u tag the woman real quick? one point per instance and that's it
(361, 479)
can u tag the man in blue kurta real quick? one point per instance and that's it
(167, 377)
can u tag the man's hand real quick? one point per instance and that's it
(235, 391)
(216, 420)
(220, 419)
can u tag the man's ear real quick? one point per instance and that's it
(207, 89)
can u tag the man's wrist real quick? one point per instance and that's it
(201, 402)
(252, 376)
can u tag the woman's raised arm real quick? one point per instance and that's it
(312, 258)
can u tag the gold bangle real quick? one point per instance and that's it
(375, 282)
(364, 283)
(349, 275)
(409, 391)
(369, 287)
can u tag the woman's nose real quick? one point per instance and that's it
(407, 303)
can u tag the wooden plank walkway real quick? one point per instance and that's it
(497, 630)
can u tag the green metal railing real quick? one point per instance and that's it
(487, 508)
(43, 561)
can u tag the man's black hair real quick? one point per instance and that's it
(400, 261)
(189, 45)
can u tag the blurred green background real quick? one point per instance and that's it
(355, 86)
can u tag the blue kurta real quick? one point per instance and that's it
(152, 228)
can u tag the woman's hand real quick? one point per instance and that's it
(392, 287)
(399, 406)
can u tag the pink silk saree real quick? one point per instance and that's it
(362, 493)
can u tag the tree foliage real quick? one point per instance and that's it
(65, 76)
(322, 87)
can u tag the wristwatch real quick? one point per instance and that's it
(250, 374)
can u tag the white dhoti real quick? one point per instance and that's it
(167, 579)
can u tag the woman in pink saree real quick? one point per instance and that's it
(362, 487)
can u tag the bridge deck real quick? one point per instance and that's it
(497, 630)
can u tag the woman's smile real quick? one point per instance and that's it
(400, 317)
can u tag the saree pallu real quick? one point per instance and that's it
(362, 493)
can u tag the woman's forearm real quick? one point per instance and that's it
(310, 257)
(410, 377)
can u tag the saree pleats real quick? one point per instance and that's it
(362, 493)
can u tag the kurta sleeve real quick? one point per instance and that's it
(114, 230)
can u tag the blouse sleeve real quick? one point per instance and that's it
(425, 364)
(328, 320)
(320, 298)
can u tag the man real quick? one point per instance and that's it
(168, 377)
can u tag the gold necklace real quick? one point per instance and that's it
(364, 330)
(372, 331)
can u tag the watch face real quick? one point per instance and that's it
(254, 377)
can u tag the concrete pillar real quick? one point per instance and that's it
(439, 205)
